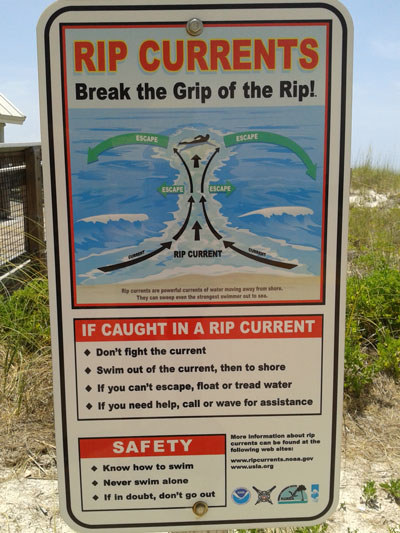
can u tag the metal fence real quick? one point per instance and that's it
(21, 204)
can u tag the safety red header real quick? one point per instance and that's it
(152, 446)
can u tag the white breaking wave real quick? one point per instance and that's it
(293, 210)
(281, 242)
(91, 274)
(115, 218)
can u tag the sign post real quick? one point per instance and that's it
(197, 165)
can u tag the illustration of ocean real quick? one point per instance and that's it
(137, 199)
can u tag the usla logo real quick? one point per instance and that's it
(241, 495)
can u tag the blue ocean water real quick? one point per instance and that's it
(118, 212)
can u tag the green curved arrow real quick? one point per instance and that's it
(127, 138)
(273, 138)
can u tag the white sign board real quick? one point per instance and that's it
(196, 215)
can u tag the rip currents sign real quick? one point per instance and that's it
(196, 162)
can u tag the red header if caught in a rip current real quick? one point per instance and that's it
(153, 329)
(152, 446)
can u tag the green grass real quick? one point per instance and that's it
(374, 232)
(372, 342)
(369, 173)
(24, 342)
(374, 235)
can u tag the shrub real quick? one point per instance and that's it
(389, 356)
(373, 326)
(374, 301)
(24, 317)
(24, 340)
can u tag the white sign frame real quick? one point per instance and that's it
(313, 326)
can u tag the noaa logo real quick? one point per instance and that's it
(241, 495)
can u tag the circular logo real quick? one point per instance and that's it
(241, 496)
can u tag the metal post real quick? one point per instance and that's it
(34, 220)
(5, 206)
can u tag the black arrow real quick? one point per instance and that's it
(206, 168)
(279, 264)
(196, 158)
(197, 229)
(125, 264)
(213, 231)
(187, 168)
(191, 202)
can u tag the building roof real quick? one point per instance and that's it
(9, 114)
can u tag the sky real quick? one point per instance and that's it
(376, 84)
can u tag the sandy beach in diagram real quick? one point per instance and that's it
(197, 289)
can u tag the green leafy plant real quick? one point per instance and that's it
(369, 494)
(358, 370)
(320, 528)
(392, 488)
(389, 355)
(372, 173)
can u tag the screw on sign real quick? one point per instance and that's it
(194, 27)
